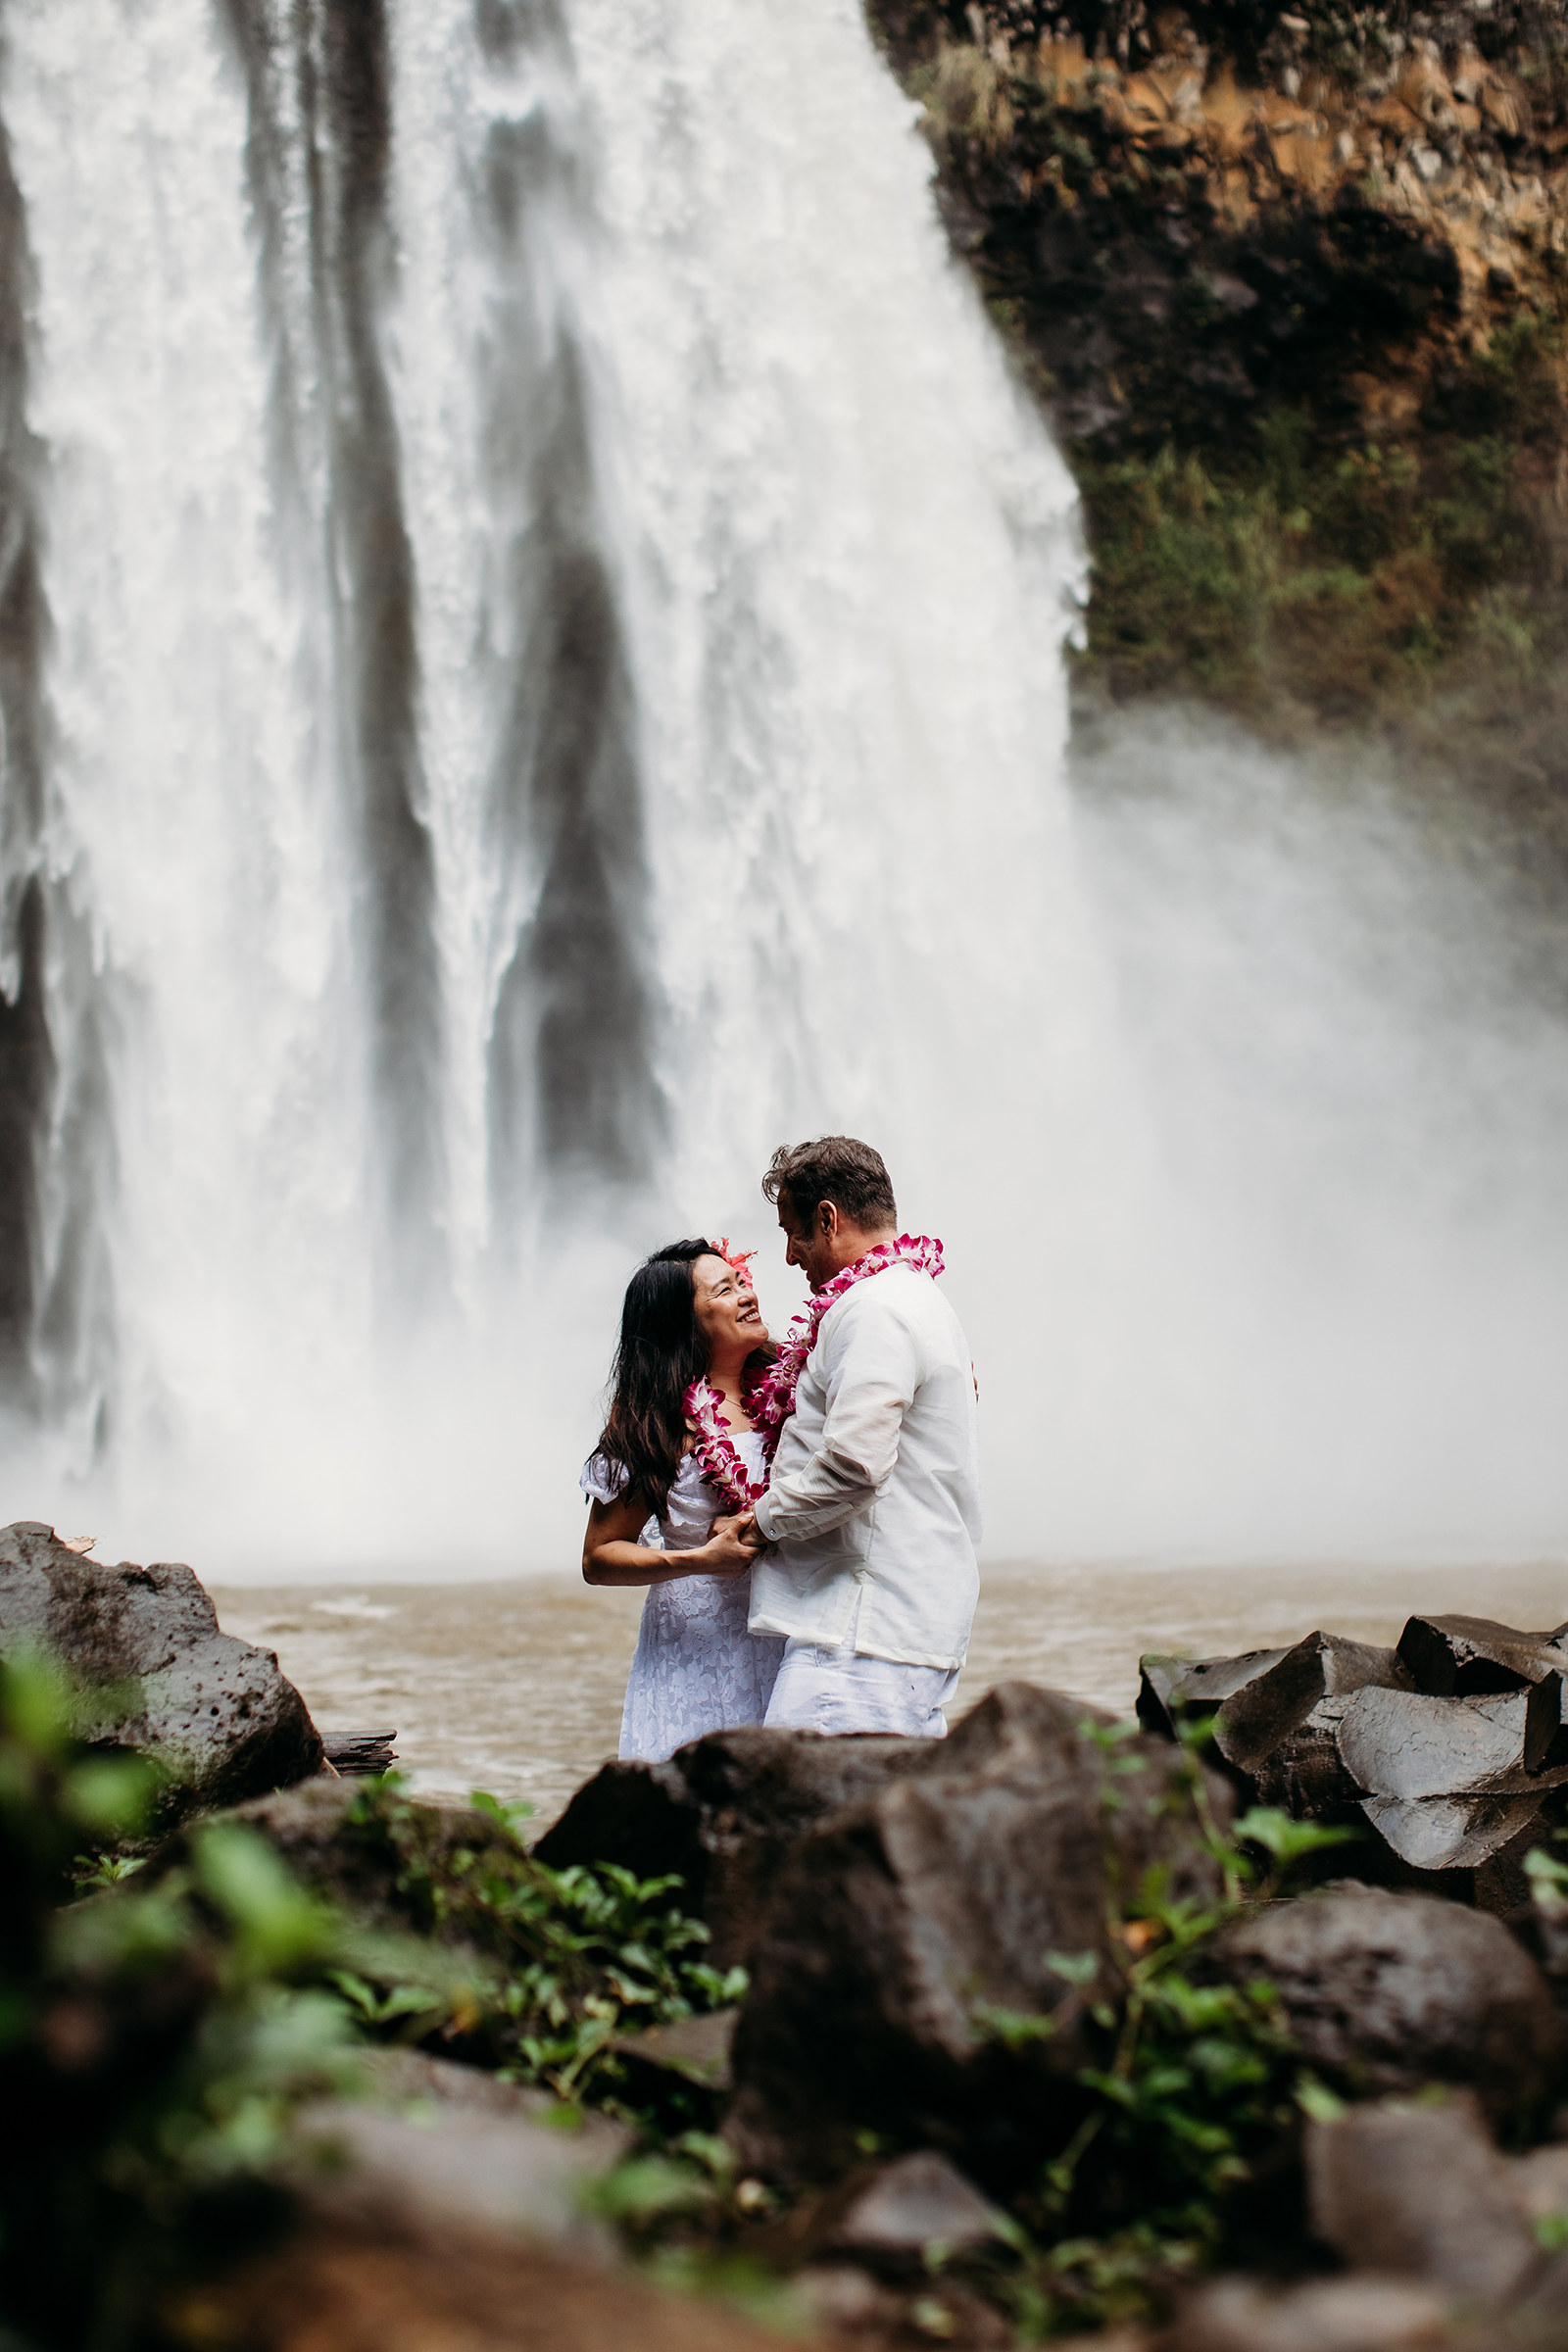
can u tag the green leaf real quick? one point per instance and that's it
(509, 1812)
(1015, 2029)
(1285, 1839)
(1074, 1968)
(1317, 2102)
(647, 2186)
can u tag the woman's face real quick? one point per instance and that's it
(728, 1314)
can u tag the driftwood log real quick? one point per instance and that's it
(353, 1753)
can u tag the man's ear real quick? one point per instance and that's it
(827, 1219)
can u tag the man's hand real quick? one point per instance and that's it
(725, 1553)
(748, 1532)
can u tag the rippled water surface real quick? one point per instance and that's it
(518, 1687)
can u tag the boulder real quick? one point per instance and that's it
(1541, 2184)
(1417, 2188)
(154, 1673)
(722, 1813)
(416, 2083)
(861, 2313)
(1458, 1834)
(691, 2049)
(314, 1829)
(1277, 1713)
(1320, 2314)
(1171, 1686)
(983, 1882)
(916, 2203)
(1473, 1657)
(1449, 1746)
(1386, 1992)
(1404, 1743)
(385, 2287)
(456, 2157)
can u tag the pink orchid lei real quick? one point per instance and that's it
(720, 1464)
(771, 1401)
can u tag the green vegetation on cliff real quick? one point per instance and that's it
(1294, 283)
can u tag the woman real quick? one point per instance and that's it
(679, 1447)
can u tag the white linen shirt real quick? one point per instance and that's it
(875, 1492)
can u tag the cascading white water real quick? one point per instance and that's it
(557, 610)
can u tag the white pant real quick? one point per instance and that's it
(835, 1690)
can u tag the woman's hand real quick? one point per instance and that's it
(612, 1555)
(724, 1554)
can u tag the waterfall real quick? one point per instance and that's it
(530, 624)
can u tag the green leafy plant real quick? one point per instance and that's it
(158, 2033)
(1193, 2089)
(570, 1960)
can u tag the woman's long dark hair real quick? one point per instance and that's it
(661, 1352)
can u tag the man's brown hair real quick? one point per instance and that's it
(835, 1168)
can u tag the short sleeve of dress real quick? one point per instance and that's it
(602, 1480)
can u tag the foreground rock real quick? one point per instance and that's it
(154, 1675)
(1387, 1991)
(444, 2208)
(315, 1827)
(974, 1883)
(331, 2289)
(1326, 2315)
(1419, 2190)
(723, 1814)
(1448, 1748)
(432, 2146)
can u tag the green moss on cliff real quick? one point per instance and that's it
(1294, 283)
(1289, 571)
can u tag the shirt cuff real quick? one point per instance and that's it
(760, 1516)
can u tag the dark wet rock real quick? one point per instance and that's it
(861, 2313)
(917, 2201)
(1262, 1713)
(156, 1676)
(641, 1816)
(315, 1829)
(1541, 2182)
(1277, 1713)
(1321, 2315)
(415, 2083)
(1403, 1743)
(1453, 1833)
(384, 2286)
(1387, 1991)
(454, 2161)
(723, 1814)
(1418, 2189)
(1170, 1686)
(1452, 1777)
(696, 2049)
(955, 1888)
(1474, 1657)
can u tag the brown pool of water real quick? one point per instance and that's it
(517, 1687)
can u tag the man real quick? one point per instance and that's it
(872, 1511)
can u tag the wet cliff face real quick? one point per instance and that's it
(1294, 283)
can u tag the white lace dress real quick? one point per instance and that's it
(697, 1669)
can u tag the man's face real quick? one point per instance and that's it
(815, 1247)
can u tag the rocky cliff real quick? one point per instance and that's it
(1293, 282)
